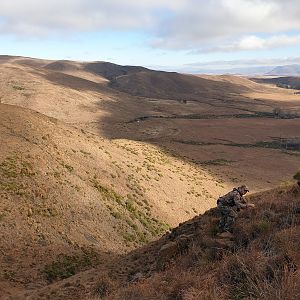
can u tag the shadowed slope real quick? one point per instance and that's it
(260, 260)
(164, 85)
(112, 71)
(232, 127)
(63, 66)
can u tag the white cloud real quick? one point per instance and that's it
(210, 25)
(35, 17)
(229, 25)
(253, 42)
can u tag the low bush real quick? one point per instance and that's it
(68, 265)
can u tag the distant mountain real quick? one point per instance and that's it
(257, 70)
(289, 70)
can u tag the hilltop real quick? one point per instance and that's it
(289, 82)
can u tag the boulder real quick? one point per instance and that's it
(166, 253)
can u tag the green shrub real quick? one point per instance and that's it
(262, 227)
(18, 88)
(68, 265)
(69, 168)
(297, 176)
(116, 215)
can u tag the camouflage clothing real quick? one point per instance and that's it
(229, 205)
(228, 216)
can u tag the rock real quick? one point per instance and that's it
(178, 245)
(225, 240)
(30, 212)
(166, 253)
(224, 243)
(225, 235)
(183, 242)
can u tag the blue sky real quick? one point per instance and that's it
(171, 35)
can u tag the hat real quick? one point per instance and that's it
(245, 188)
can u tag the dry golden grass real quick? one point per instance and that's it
(69, 196)
(80, 94)
(141, 149)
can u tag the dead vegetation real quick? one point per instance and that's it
(260, 262)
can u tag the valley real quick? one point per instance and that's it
(98, 160)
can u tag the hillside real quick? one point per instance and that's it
(260, 261)
(162, 85)
(228, 125)
(69, 195)
(112, 71)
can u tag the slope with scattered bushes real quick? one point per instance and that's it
(71, 200)
(259, 261)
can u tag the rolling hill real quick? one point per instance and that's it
(69, 194)
(162, 85)
(98, 160)
(226, 124)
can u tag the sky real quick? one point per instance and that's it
(181, 35)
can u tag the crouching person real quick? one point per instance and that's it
(229, 205)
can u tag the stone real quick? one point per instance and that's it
(225, 235)
(166, 253)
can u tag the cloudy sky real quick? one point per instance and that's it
(170, 34)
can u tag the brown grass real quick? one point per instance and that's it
(263, 264)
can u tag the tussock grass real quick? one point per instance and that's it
(263, 263)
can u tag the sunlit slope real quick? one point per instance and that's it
(66, 191)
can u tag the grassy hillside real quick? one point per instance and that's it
(69, 196)
(240, 130)
(98, 160)
(162, 85)
(260, 261)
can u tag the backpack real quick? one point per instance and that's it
(227, 200)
